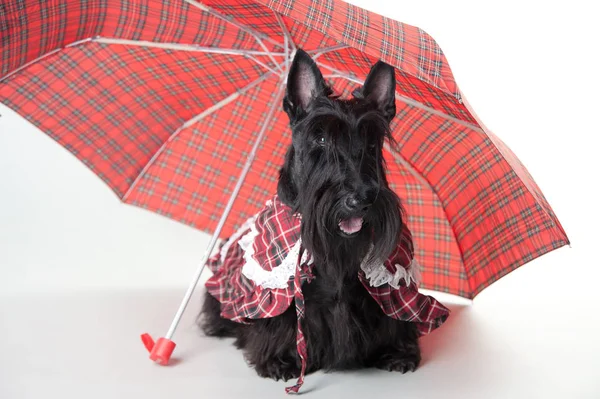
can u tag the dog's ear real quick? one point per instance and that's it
(304, 83)
(380, 88)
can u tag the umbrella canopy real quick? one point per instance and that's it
(166, 102)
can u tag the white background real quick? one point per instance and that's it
(82, 275)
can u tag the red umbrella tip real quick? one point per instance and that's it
(160, 352)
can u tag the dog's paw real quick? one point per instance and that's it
(278, 369)
(398, 361)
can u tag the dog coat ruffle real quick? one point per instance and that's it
(260, 270)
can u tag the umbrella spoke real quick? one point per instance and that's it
(288, 41)
(320, 51)
(213, 240)
(258, 36)
(341, 74)
(270, 55)
(262, 64)
(38, 59)
(185, 47)
(194, 48)
(227, 100)
(334, 76)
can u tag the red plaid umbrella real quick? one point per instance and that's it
(175, 104)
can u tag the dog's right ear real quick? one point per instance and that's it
(304, 83)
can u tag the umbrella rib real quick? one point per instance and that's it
(41, 57)
(334, 76)
(287, 55)
(189, 122)
(284, 29)
(288, 41)
(169, 46)
(340, 74)
(320, 51)
(262, 64)
(193, 48)
(209, 10)
(258, 36)
(184, 47)
(225, 214)
(425, 182)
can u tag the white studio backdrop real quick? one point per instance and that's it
(529, 69)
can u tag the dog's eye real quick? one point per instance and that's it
(321, 141)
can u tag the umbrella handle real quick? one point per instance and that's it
(160, 352)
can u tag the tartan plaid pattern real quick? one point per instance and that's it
(422, 69)
(277, 231)
(475, 211)
(485, 201)
(242, 300)
(192, 179)
(115, 114)
(32, 28)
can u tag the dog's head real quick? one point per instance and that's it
(334, 171)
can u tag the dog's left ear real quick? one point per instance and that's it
(380, 88)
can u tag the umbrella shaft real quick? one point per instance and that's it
(232, 198)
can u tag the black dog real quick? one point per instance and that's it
(334, 176)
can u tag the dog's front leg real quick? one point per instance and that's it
(402, 353)
(270, 346)
(282, 367)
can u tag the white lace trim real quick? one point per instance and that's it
(280, 276)
(225, 248)
(378, 274)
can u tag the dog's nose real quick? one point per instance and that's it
(351, 203)
(354, 204)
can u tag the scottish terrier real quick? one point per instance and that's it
(334, 176)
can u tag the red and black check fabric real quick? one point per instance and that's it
(123, 85)
(274, 231)
(277, 230)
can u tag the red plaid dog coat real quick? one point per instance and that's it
(260, 269)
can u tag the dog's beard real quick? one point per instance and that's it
(386, 221)
(324, 220)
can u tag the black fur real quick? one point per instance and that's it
(334, 170)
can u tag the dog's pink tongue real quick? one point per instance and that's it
(351, 226)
